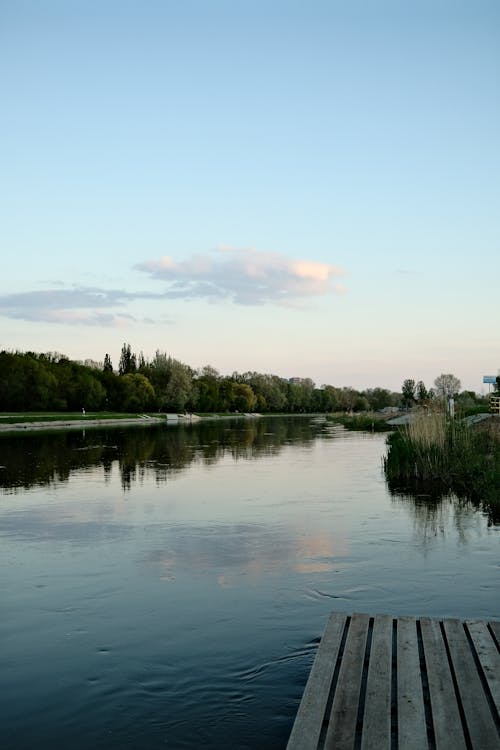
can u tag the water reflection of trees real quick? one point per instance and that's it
(429, 501)
(38, 459)
(433, 515)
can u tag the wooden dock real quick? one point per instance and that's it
(402, 683)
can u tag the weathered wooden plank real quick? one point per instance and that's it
(342, 727)
(495, 626)
(482, 730)
(377, 714)
(489, 657)
(309, 720)
(460, 659)
(448, 731)
(412, 731)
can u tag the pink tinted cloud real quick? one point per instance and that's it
(244, 276)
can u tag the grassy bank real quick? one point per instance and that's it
(33, 417)
(366, 422)
(435, 454)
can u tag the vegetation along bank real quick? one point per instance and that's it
(436, 454)
(50, 381)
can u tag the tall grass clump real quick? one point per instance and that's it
(436, 454)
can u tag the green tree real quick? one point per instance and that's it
(378, 398)
(349, 399)
(320, 401)
(172, 381)
(408, 392)
(243, 398)
(26, 382)
(137, 392)
(108, 365)
(111, 383)
(332, 398)
(422, 393)
(269, 389)
(467, 399)
(299, 395)
(207, 387)
(128, 361)
(78, 387)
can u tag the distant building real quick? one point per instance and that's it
(295, 381)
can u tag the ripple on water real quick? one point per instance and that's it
(199, 604)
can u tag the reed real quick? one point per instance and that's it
(427, 430)
(436, 454)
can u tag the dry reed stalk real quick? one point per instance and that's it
(428, 429)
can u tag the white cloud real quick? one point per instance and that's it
(244, 276)
(74, 306)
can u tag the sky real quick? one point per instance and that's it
(305, 189)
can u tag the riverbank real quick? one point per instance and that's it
(79, 424)
(33, 423)
(364, 422)
(436, 455)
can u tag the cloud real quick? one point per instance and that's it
(244, 276)
(73, 306)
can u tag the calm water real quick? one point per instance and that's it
(166, 588)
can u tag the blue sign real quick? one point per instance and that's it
(492, 379)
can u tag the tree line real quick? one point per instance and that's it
(446, 386)
(50, 381)
(31, 381)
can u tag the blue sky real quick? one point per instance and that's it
(308, 189)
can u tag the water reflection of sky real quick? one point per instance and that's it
(249, 551)
(271, 504)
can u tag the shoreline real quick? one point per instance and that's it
(68, 424)
(484, 420)
(143, 421)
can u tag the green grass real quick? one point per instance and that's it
(28, 417)
(367, 422)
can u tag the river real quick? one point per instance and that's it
(167, 587)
